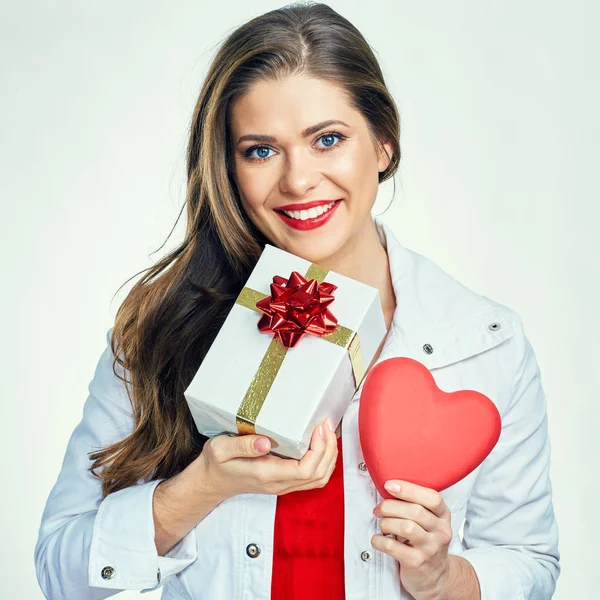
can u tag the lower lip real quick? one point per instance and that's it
(309, 223)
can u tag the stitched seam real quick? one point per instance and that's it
(172, 589)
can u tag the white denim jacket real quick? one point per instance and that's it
(90, 548)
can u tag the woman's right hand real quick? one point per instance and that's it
(231, 465)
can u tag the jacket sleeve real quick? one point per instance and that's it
(510, 532)
(90, 548)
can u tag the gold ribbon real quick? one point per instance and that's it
(264, 377)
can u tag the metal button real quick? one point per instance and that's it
(362, 466)
(252, 550)
(494, 326)
(366, 555)
(428, 349)
(107, 573)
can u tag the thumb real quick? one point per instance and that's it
(253, 445)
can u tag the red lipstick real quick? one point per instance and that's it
(305, 205)
(308, 223)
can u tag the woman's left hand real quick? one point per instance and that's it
(420, 518)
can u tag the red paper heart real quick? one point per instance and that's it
(411, 430)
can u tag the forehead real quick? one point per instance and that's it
(286, 106)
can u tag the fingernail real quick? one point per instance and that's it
(261, 444)
(392, 487)
(330, 423)
(321, 431)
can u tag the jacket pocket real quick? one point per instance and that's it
(443, 346)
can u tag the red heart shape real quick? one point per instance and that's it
(410, 429)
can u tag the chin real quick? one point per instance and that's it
(319, 255)
(317, 246)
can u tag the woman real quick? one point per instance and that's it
(294, 110)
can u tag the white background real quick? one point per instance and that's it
(497, 184)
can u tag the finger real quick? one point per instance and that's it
(400, 509)
(427, 497)
(405, 528)
(326, 465)
(406, 555)
(226, 446)
(330, 457)
(287, 472)
(309, 463)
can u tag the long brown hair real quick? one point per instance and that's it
(169, 319)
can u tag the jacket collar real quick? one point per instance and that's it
(437, 319)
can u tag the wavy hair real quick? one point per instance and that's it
(168, 321)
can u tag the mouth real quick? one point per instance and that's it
(311, 218)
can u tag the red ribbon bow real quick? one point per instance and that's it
(297, 306)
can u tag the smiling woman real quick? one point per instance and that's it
(292, 133)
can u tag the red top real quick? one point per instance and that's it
(308, 559)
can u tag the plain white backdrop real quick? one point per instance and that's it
(497, 184)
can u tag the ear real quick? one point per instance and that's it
(384, 156)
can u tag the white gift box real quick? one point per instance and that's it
(316, 378)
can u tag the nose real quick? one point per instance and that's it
(300, 174)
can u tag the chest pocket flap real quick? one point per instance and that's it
(444, 346)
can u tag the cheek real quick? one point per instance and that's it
(254, 186)
(356, 172)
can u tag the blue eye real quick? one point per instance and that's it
(263, 150)
(328, 136)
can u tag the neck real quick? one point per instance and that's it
(365, 259)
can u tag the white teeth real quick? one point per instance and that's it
(311, 213)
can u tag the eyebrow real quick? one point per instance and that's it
(257, 137)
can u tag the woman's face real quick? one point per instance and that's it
(301, 158)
